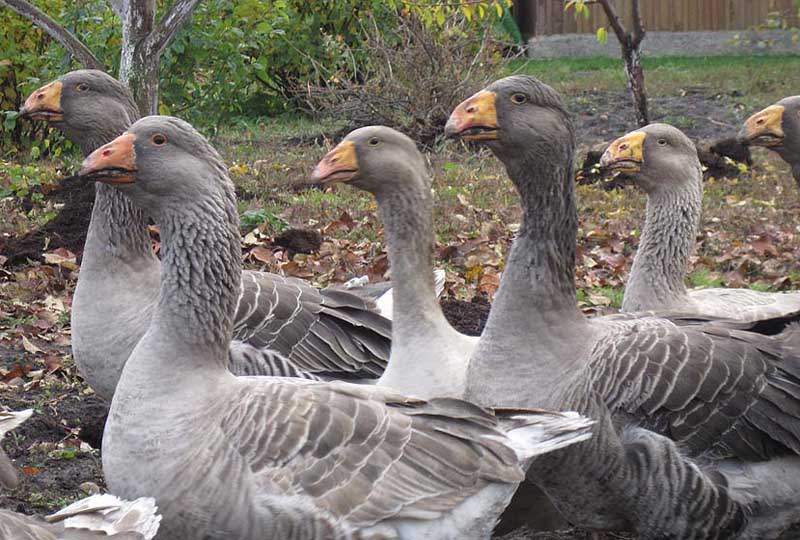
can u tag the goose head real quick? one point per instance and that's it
(658, 157)
(158, 161)
(82, 103)
(377, 159)
(518, 116)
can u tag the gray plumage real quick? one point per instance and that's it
(10, 420)
(668, 170)
(265, 457)
(669, 398)
(325, 334)
(429, 357)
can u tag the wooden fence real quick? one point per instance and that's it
(548, 16)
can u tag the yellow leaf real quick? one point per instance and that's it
(602, 35)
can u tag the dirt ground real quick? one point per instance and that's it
(58, 449)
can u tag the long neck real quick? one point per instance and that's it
(200, 276)
(118, 229)
(540, 274)
(407, 216)
(535, 331)
(671, 223)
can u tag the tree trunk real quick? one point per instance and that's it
(633, 69)
(136, 69)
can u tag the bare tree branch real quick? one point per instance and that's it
(169, 24)
(39, 18)
(614, 20)
(638, 28)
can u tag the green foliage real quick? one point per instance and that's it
(20, 180)
(253, 218)
(232, 58)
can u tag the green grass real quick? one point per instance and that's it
(759, 78)
(703, 278)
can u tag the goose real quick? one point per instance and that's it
(778, 128)
(698, 426)
(429, 357)
(92, 518)
(283, 325)
(663, 163)
(275, 457)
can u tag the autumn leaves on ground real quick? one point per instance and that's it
(749, 236)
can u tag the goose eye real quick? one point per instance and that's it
(662, 142)
(82, 87)
(374, 141)
(519, 99)
(158, 139)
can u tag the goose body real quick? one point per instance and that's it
(681, 409)
(318, 333)
(663, 162)
(268, 457)
(429, 357)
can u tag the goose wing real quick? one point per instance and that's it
(328, 333)
(747, 305)
(718, 391)
(365, 454)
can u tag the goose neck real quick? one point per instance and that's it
(407, 216)
(671, 224)
(200, 274)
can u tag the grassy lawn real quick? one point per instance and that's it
(759, 80)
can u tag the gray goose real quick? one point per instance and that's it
(661, 393)
(275, 457)
(429, 357)
(283, 325)
(92, 518)
(663, 163)
(778, 128)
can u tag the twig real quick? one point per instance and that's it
(39, 18)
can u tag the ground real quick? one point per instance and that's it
(748, 238)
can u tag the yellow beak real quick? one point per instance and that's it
(765, 128)
(474, 119)
(44, 103)
(338, 165)
(626, 154)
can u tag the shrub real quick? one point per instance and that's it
(417, 74)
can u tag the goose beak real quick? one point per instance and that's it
(44, 103)
(338, 165)
(113, 163)
(764, 128)
(625, 154)
(474, 119)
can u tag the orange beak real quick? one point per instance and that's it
(44, 103)
(474, 119)
(626, 154)
(765, 128)
(113, 163)
(338, 165)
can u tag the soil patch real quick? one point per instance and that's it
(67, 229)
(467, 317)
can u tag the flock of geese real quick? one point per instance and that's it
(246, 405)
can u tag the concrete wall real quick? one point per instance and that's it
(669, 44)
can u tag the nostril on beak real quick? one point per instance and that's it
(40, 96)
(107, 152)
(760, 121)
(623, 146)
(471, 109)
